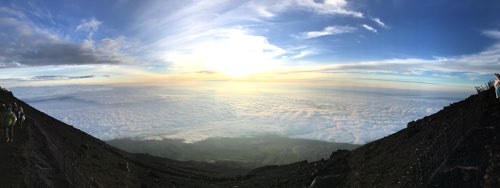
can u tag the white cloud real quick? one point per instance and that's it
(180, 26)
(38, 8)
(492, 33)
(471, 67)
(298, 52)
(379, 22)
(303, 53)
(334, 115)
(270, 9)
(338, 7)
(473, 64)
(330, 30)
(89, 25)
(369, 28)
(261, 9)
(33, 45)
(11, 12)
(178, 31)
(113, 49)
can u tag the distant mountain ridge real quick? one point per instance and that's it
(249, 152)
(458, 146)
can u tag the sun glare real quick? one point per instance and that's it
(233, 52)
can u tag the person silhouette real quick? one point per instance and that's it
(9, 120)
(497, 85)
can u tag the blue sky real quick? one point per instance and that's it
(449, 43)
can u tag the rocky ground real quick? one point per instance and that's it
(456, 147)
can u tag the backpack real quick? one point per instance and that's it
(10, 119)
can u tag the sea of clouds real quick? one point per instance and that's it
(195, 113)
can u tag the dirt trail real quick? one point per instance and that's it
(12, 158)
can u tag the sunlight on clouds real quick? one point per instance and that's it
(223, 109)
(232, 52)
(329, 7)
(113, 74)
(330, 30)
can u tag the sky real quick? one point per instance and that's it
(333, 70)
(428, 44)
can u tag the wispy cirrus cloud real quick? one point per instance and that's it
(379, 22)
(89, 25)
(481, 63)
(179, 35)
(54, 77)
(369, 28)
(271, 9)
(61, 77)
(179, 30)
(38, 8)
(495, 34)
(303, 53)
(461, 68)
(330, 30)
(338, 7)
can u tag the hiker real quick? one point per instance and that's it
(9, 120)
(497, 85)
(15, 109)
(3, 110)
(9, 108)
(20, 116)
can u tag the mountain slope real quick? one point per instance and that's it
(456, 147)
(49, 153)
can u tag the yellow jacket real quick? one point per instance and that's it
(9, 119)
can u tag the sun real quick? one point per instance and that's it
(234, 53)
(236, 63)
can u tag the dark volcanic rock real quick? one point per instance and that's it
(341, 153)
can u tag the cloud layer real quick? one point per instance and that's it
(214, 110)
